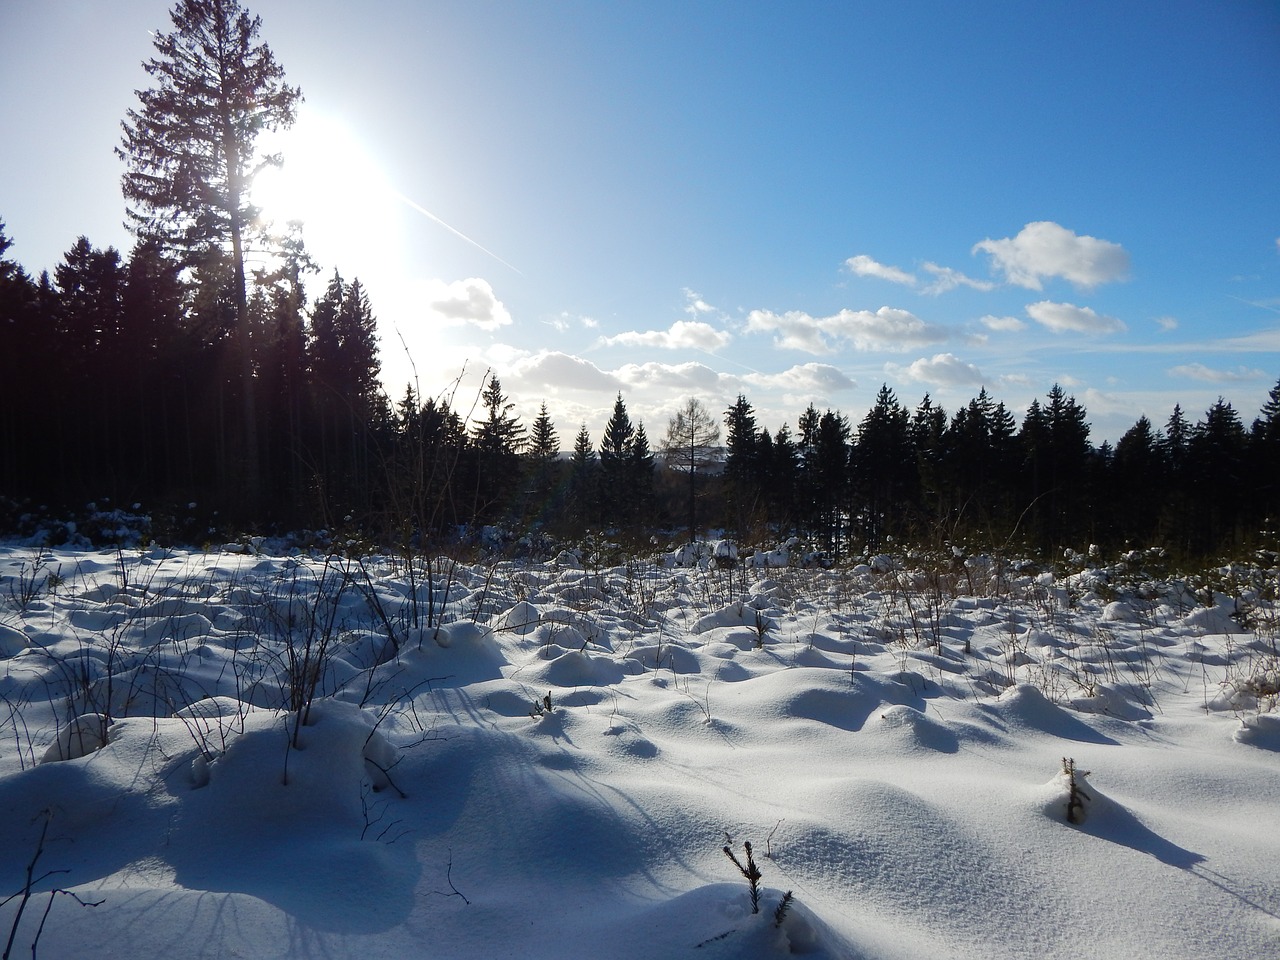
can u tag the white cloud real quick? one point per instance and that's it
(942, 370)
(945, 278)
(683, 377)
(471, 301)
(1043, 250)
(888, 328)
(796, 330)
(682, 335)
(1167, 323)
(695, 305)
(1067, 317)
(564, 321)
(804, 378)
(1198, 371)
(1003, 324)
(864, 266)
(559, 371)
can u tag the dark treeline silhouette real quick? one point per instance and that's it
(121, 379)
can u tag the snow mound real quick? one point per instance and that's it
(12, 641)
(81, 737)
(1261, 731)
(1026, 708)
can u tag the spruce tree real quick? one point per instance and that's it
(1265, 458)
(1216, 459)
(741, 465)
(583, 482)
(191, 149)
(540, 462)
(1138, 483)
(23, 339)
(884, 471)
(927, 431)
(497, 440)
(615, 455)
(640, 477)
(544, 444)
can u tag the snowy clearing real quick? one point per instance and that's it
(240, 755)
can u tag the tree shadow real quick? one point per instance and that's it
(1110, 821)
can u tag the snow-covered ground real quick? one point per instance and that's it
(547, 761)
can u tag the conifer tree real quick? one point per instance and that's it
(498, 440)
(615, 456)
(21, 339)
(191, 149)
(544, 443)
(583, 481)
(741, 465)
(540, 454)
(343, 366)
(1216, 459)
(1265, 457)
(640, 479)
(781, 467)
(827, 470)
(1138, 482)
(884, 470)
(927, 432)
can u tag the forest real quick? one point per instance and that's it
(121, 384)
(219, 379)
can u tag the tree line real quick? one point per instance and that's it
(198, 370)
(120, 378)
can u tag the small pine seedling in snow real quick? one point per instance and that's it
(1076, 794)
(780, 914)
(541, 707)
(750, 871)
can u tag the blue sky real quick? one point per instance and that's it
(795, 201)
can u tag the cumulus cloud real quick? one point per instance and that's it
(683, 334)
(886, 329)
(1003, 324)
(1068, 318)
(685, 377)
(1167, 323)
(941, 370)
(804, 378)
(471, 301)
(1043, 250)
(1198, 371)
(864, 266)
(795, 330)
(559, 371)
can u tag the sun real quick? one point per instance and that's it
(329, 182)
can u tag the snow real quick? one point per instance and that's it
(549, 762)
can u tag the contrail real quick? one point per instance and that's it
(1254, 303)
(457, 233)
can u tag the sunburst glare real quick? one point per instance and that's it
(331, 184)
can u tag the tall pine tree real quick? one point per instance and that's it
(191, 148)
